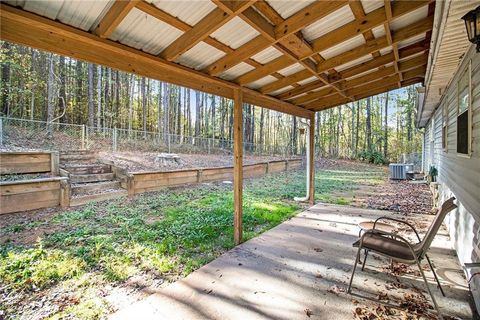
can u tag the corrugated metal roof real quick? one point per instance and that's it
(267, 55)
(142, 31)
(279, 91)
(343, 47)
(378, 31)
(386, 50)
(261, 82)
(308, 80)
(236, 71)
(291, 69)
(412, 40)
(370, 5)
(328, 23)
(354, 63)
(189, 12)
(200, 56)
(235, 33)
(286, 8)
(80, 14)
(410, 18)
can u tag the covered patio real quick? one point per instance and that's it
(301, 269)
(296, 57)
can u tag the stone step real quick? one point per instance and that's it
(83, 178)
(77, 157)
(85, 168)
(84, 199)
(95, 187)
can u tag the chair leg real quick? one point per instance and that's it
(428, 288)
(435, 275)
(354, 268)
(364, 260)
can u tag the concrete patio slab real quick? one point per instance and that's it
(299, 270)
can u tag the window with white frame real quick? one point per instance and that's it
(464, 112)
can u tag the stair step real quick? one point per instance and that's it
(87, 168)
(78, 151)
(76, 157)
(82, 178)
(94, 186)
(84, 199)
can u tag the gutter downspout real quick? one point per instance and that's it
(307, 134)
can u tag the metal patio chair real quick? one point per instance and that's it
(398, 249)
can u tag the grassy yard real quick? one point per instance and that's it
(83, 255)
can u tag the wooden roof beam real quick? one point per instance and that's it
(343, 33)
(114, 16)
(405, 33)
(161, 15)
(363, 67)
(26, 28)
(360, 91)
(211, 22)
(291, 25)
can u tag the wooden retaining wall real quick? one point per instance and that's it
(33, 194)
(138, 182)
(29, 162)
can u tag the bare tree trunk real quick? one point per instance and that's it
(6, 79)
(369, 125)
(99, 97)
(144, 108)
(352, 144)
(90, 95)
(50, 106)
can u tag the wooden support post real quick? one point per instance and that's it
(65, 193)
(54, 163)
(130, 186)
(311, 141)
(238, 165)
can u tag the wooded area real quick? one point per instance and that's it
(44, 86)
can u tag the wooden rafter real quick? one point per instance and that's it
(405, 33)
(334, 99)
(359, 69)
(161, 15)
(341, 34)
(20, 26)
(114, 16)
(292, 45)
(310, 14)
(211, 22)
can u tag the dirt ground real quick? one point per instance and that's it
(145, 161)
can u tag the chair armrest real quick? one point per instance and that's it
(399, 221)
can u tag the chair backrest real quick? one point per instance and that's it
(446, 207)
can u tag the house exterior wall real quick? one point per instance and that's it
(458, 175)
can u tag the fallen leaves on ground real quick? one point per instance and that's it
(336, 289)
(402, 196)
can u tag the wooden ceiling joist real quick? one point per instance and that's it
(211, 22)
(114, 16)
(343, 33)
(29, 29)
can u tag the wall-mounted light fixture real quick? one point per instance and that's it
(472, 23)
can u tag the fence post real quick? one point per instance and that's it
(114, 137)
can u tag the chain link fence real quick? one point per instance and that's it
(34, 134)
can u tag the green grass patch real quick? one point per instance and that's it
(167, 233)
